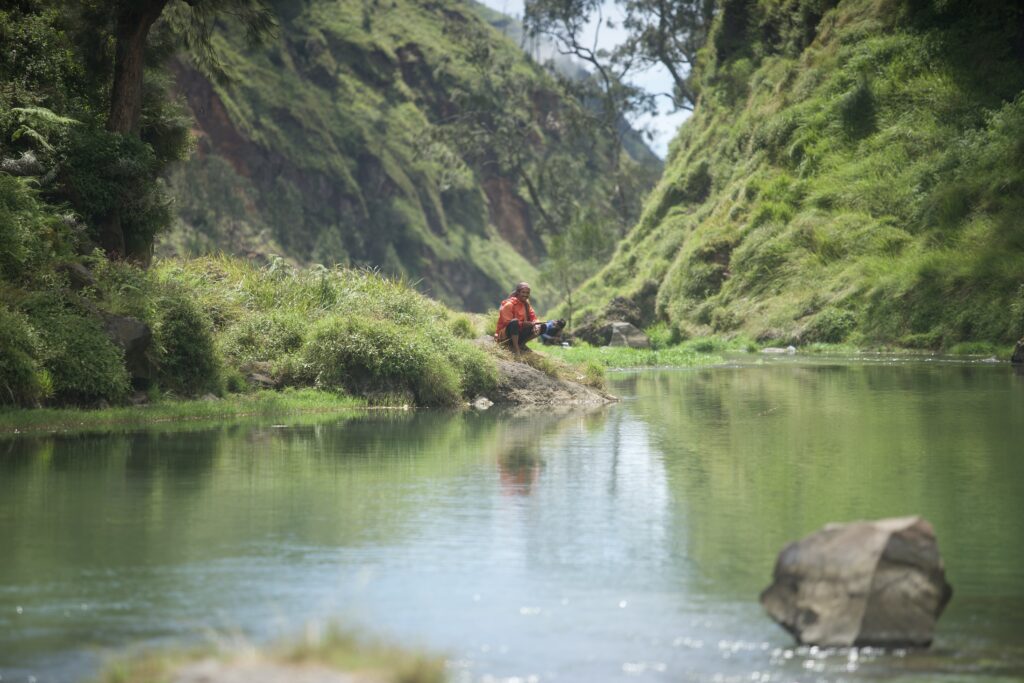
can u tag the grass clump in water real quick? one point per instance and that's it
(334, 649)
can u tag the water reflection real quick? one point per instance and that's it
(621, 544)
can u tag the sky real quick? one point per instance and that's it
(656, 79)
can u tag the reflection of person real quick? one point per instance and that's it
(517, 322)
(519, 466)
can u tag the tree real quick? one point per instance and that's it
(609, 97)
(133, 20)
(576, 254)
(192, 22)
(669, 32)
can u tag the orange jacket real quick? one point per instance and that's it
(513, 309)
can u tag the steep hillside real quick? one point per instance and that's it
(854, 171)
(340, 143)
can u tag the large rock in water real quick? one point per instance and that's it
(864, 583)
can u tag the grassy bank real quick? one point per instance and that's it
(222, 326)
(173, 412)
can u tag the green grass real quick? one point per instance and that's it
(173, 413)
(622, 357)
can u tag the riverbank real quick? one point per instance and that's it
(709, 351)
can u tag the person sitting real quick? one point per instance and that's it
(551, 333)
(517, 322)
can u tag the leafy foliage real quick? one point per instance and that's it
(364, 356)
(188, 361)
(86, 367)
(21, 379)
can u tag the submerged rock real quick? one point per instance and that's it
(864, 583)
(779, 349)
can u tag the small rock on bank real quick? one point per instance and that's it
(522, 385)
(865, 583)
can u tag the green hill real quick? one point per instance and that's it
(854, 171)
(409, 136)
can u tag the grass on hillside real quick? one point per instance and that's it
(860, 182)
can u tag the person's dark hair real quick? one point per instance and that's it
(559, 324)
(519, 286)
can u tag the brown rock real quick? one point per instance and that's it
(864, 583)
(1018, 353)
(625, 334)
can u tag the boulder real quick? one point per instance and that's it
(135, 337)
(25, 165)
(1018, 353)
(864, 583)
(594, 332)
(79, 277)
(626, 334)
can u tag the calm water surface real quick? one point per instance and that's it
(626, 544)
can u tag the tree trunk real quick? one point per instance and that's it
(133, 23)
(134, 20)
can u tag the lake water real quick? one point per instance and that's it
(626, 544)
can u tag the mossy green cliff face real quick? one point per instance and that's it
(854, 171)
(328, 146)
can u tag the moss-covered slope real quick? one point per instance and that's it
(325, 147)
(854, 171)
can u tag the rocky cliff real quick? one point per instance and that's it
(329, 146)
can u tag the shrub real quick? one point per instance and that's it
(104, 173)
(264, 337)
(85, 365)
(31, 231)
(477, 373)
(833, 325)
(378, 357)
(856, 109)
(20, 374)
(594, 375)
(462, 327)
(663, 334)
(125, 288)
(188, 363)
